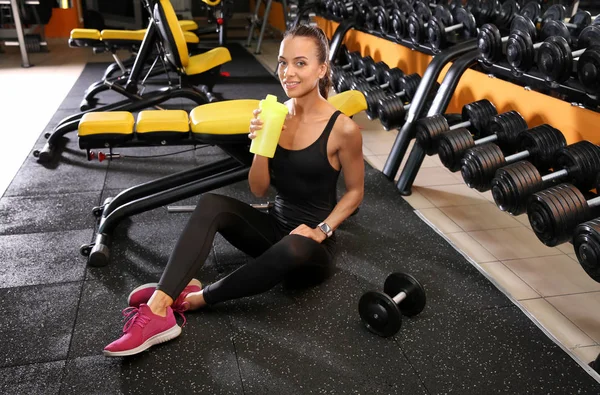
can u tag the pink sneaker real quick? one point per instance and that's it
(143, 330)
(143, 293)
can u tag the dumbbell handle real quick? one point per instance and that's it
(464, 124)
(537, 45)
(488, 139)
(578, 53)
(453, 27)
(518, 156)
(555, 175)
(400, 297)
(591, 203)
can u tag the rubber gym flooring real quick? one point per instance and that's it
(57, 313)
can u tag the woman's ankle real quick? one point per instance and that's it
(195, 300)
(158, 303)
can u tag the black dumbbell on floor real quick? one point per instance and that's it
(555, 58)
(554, 213)
(503, 129)
(539, 145)
(382, 312)
(402, 87)
(577, 164)
(476, 117)
(586, 243)
(438, 32)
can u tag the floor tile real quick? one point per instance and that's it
(447, 366)
(417, 200)
(37, 378)
(581, 309)
(452, 195)
(434, 176)
(516, 287)
(553, 275)
(37, 322)
(513, 243)
(480, 217)
(471, 247)
(42, 258)
(557, 324)
(440, 220)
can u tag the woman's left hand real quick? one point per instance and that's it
(315, 234)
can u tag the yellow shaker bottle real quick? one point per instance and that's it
(273, 116)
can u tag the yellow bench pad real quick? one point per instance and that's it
(163, 121)
(85, 34)
(207, 60)
(188, 25)
(96, 123)
(130, 35)
(349, 102)
(223, 118)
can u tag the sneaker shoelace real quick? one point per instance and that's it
(133, 317)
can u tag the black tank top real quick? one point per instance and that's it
(305, 182)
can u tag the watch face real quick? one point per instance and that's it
(325, 228)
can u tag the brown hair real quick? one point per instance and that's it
(322, 44)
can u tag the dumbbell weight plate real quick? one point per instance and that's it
(487, 9)
(582, 19)
(554, 59)
(404, 6)
(555, 12)
(489, 43)
(452, 145)
(415, 300)
(555, 212)
(479, 113)
(479, 164)
(582, 160)
(399, 25)
(519, 51)
(508, 10)
(543, 143)
(555, 28)
(588, 37)
(380, 313)
(525, 25)
(588, 69)
(383, 19)
(469, 28)
(532, 10)
(586, 243)
(443, 14)
(514, 184)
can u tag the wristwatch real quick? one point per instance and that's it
(325, 229)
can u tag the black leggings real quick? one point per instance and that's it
(279, 256)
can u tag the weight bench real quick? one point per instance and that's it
(224, 124)
(113, 40)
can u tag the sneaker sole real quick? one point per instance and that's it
(145, 286)
(159, 338)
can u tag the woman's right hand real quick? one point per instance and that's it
(255, 124)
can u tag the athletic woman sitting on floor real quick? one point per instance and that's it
(295, 240)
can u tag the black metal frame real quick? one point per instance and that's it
(428, 80)
(162, 191)
(439, 105)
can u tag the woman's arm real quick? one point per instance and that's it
(352, 163)
(259, 177)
